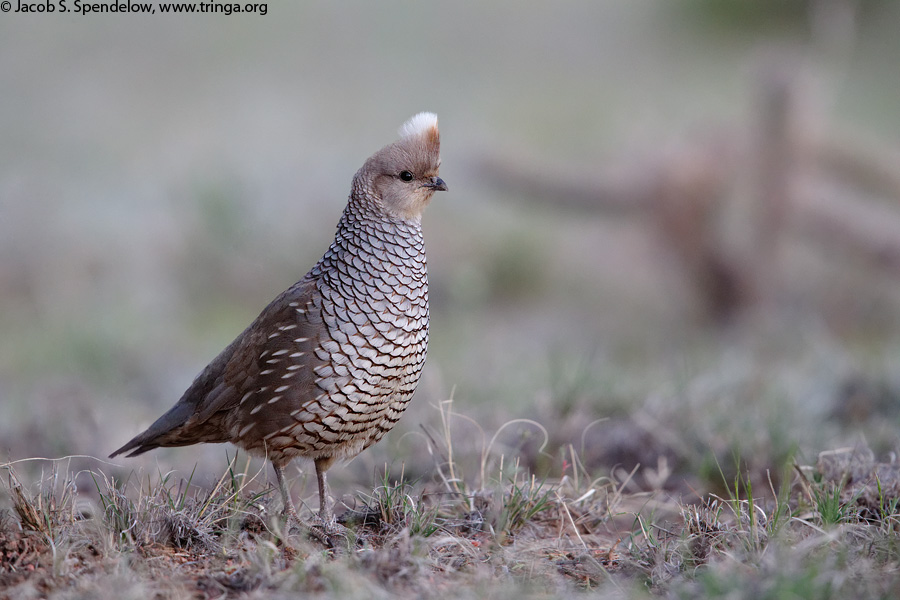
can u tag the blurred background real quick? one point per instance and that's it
(672, 236)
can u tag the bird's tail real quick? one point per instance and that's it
(164, 432)
(134, 447)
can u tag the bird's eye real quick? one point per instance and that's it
(406, 176)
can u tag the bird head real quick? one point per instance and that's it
(403, 176)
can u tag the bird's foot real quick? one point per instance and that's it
(291, 519)
(328, 531)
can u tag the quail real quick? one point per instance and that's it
(329, 366)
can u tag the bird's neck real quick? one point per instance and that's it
(365, 236)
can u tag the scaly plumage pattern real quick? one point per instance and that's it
(330, 365)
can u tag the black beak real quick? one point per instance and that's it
(437, 185)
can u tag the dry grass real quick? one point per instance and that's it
(483, 526)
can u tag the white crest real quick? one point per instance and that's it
(419, 124)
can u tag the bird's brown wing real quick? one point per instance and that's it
(209, 404)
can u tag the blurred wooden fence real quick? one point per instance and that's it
(797, 176)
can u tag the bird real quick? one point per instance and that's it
(330, 365)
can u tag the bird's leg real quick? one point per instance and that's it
(331, 530)
(329, 527)
(324, 501)
(289, 509)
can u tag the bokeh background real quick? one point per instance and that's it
(671, 236)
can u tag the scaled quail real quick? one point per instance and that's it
(330, 365)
